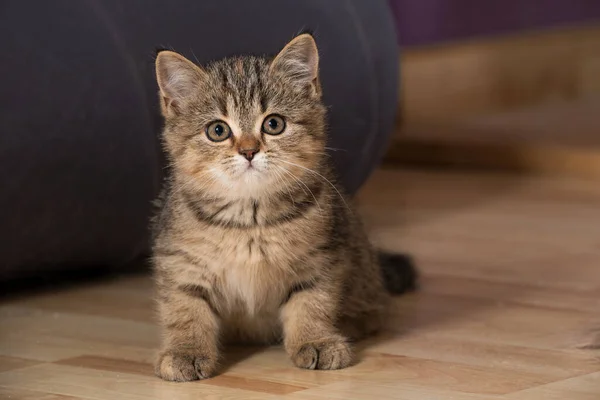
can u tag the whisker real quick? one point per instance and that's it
(326, 180)
(320, 153)
(188, 182)
(292, 175)
(306, 186)
(281, 178)
(335, 149)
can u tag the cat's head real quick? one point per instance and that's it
(243, 125)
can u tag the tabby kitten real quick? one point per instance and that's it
(254, 242)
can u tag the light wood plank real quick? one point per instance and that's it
(389, 391)
(97, 384)
(552, 364)
(10, 363)
(96, 299)
(585, 387)
(22, 394)
(50, 336)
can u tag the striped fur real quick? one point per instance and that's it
(263, 254)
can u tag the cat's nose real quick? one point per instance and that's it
(249, 153)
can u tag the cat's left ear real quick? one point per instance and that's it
(299, 61)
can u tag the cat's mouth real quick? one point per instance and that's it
(253, 167)
(251, 170)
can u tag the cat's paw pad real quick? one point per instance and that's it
(184, 367)
(323, 354)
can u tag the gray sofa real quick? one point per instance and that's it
(79, 156)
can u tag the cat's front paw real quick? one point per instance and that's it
(185, 366)
(323, 354)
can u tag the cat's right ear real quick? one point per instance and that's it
(178, 78)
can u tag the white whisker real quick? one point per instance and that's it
(194, 182)
(322, 177)
(292, 175)
(304, 184)
(281, 178)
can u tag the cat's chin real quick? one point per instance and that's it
(252, 179)
(251, 183)
(251, 174)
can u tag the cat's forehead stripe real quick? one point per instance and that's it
(242, 96)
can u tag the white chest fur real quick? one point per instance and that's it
(253, 268)
(255, 271)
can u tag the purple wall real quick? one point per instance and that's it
(431, 21)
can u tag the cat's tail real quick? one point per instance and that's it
(399, 272)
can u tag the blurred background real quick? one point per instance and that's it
(511, 85)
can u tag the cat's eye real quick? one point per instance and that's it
(218, 131)
(273, 125)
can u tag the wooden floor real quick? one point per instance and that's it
(511, 284)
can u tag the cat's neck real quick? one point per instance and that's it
(234, 211)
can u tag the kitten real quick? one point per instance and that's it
(254, 242)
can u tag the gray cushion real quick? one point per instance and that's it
(79, 156)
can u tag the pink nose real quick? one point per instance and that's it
(249, 153)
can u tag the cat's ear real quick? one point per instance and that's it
(299, 61)
(177, 79)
